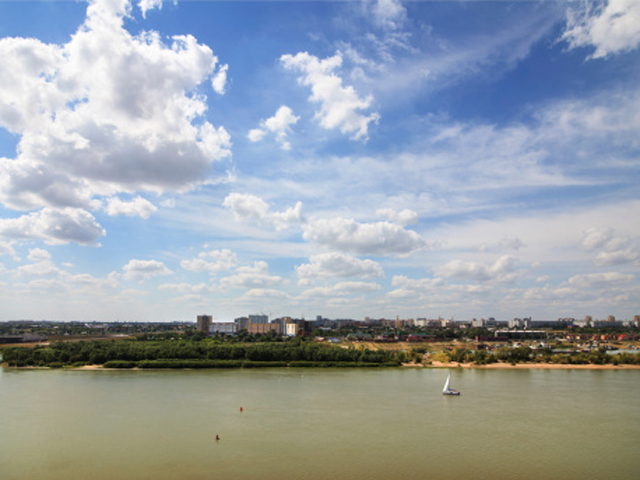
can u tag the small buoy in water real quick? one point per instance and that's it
(217, 438)
(240, 408)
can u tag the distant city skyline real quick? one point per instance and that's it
(419, 321)
(380, 158)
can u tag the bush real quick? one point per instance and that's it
(120, 364)
(441, 357)
(178, 363)
(303, 364)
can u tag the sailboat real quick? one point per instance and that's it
(449, 391)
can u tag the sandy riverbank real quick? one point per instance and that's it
(492, 366)
(551, 366)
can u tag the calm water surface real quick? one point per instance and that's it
(319, 423)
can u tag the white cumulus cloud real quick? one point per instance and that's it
(335, 264)
(595, 238)
(340, 106)
(105, 113)
(611, 248)
(611, 26)
(211, 261)
(246, 207)
(138, 207)
(219, 81)
(44, 268)
(38, 255)
(256, 276)
(405, 217)
(502, 270)
(54, 226)
(379, 238)
(41, 265)
(601, 280)
(279, 125)
(139, 270)
(146, 5)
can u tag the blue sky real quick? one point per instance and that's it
(344, 159)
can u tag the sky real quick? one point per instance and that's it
(422, 159)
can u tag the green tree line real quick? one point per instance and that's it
(527, 355)
(103, 352)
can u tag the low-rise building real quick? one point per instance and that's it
(489, 322)
(520, 323)
(292, 329)
(262, 328)
(522, 334)
(223, 328)
(607, 323)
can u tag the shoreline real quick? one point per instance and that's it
(433, 365)
(535, 366)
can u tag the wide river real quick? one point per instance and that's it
(319, 424)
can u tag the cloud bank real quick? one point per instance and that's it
(105, 113)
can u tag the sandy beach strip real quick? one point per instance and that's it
(550, 366)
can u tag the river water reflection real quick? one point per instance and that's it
(318, 424)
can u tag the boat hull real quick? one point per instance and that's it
(452, 392)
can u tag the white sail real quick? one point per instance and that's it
(449, 391)
(446, 385)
